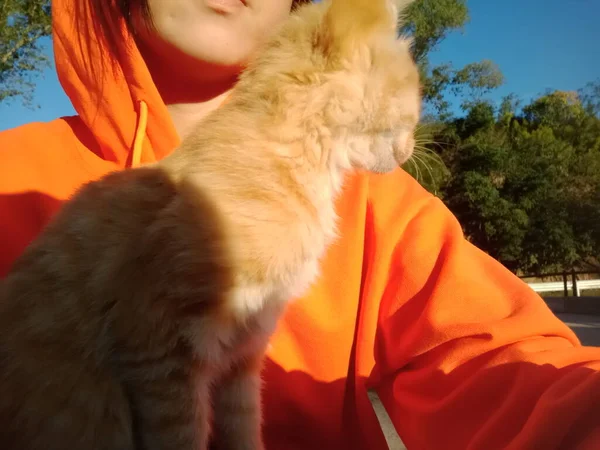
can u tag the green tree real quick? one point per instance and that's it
(526, 185)
(429, 22)
(23, 23)
(590, 97)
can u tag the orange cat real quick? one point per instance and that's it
(140, 316)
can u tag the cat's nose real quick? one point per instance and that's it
(404, 145)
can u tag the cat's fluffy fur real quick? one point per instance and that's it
(155, 290)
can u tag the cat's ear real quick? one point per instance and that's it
(350, 23)
(401, 10)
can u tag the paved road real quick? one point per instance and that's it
(587, 329)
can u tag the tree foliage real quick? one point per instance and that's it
(23, 22)
(523, 182)
(525, 185)
(590, 96)
(429, 22)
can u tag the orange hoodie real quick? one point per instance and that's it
(462, 353)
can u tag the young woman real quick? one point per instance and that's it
(461, 352)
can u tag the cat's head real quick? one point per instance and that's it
(340, 64)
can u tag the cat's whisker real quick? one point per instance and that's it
(429, 154)
(429, 151)
(430, 142)
(418, 158)
(417, 169)
(411, 169)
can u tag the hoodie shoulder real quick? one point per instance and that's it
(55, 156)
(41, 165)
(397, 194)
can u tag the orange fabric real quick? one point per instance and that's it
(462, 353)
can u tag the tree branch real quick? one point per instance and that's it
(25, 41)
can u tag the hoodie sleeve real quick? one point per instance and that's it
(41, 166)
(467, 356)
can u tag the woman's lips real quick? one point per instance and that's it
(225, 6)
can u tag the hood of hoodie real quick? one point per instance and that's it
(113, 94)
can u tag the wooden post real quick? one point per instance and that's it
(574, 278)
(565, 283)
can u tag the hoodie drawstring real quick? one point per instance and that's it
(140, 133)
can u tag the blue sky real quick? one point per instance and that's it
(538, 44)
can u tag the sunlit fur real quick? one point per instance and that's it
(140, 316)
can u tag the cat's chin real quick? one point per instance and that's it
(402, 157)
(404, 146)
(383, 167)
